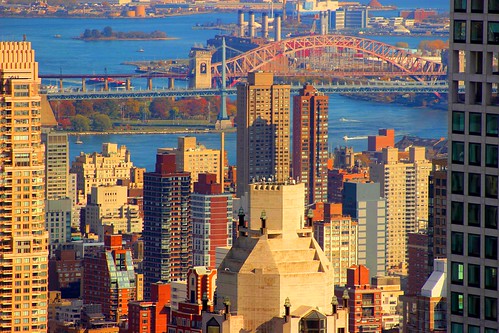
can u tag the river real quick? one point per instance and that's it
(347, 117)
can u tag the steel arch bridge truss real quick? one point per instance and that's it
(331, 55)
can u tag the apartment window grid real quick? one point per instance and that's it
(473, 200)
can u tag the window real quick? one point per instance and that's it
(457, 245)
(457, 212)
(456, 304)
(474, 306)
(476, 32)
(490, 247)
(491, 156)
(491, 217)
(490, 330)
(458, 152)
(473, 329)
(474, 184)
(458, 122)
(473, 245)
(493, 9)
(474, 151)
(473, 214)
(493, 33)
(457, 182)
(490, 186)
(491, 121)
(490, 279)
(475, 127)
(490, 308)
(457, 273)
(474, 275)
(460, 31)
(477, 6)
(460, 6)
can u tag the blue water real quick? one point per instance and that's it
(73, 56)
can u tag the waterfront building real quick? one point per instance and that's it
(338, 240)
(199, 297)
(404, 185)
(195, 158)
(108, 206)
(151, 316)
(211, 220)
(310, 142)
(167, 223)
(23, 238)
(104, 168)
(110, 280)
(363, 301)
(363, 202)
(275, 262)
(473, 167)
(391, 303)
(263, 130)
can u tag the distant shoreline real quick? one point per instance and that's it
(142, 132)
(122, 39)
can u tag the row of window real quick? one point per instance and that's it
(477, 6)
(475, 154)
(474, 184)
(474, 276)
(474, 245)
(459, 328)
(475, 123)
(490, 306)
(476, 36)
(475, 216)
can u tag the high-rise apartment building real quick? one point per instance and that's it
(437, 210)
(310, 142)
(211, 220)
(23, 238)
(195, 158)
(404, 185)
(473, 167)
(56, 164)
(263, 130)
(167, 223)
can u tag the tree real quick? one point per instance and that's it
(80, 123)
(84, 108)
(107, 106)
(132, 108)
(402, 45)
(160, 107)
(107, 32)
(144, 111)
(101, 122)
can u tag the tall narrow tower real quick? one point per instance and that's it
(23, 239)
(262, 130)
(310, 142)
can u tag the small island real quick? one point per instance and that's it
(108, 34)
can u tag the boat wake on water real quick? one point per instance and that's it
(345, 120)
(346, 138)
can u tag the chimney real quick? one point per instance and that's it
(241, 221)
(334, 304)
(322, 24)
(345, 299)
(227, 308)
(265, 25)
(251, 25)
(240, 22)
(310, 217)
(263, 218)
(277, 28)
(287, 310)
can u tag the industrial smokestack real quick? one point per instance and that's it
(277, 28)
(322, 24)
(251, 24)
(265, 25)
(240, 22)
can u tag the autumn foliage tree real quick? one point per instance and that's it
(433, 45)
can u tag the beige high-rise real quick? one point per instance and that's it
(404, 185)
(23, 239)
(263, 126)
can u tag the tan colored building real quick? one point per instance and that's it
(338, 238)
(391, 302)
(23, 239)
(106, 168)
(108, 206)
(404, 185)
(194, 157)
(263, 131)
(275, 261)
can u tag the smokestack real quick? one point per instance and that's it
(284, 10)
(251, 24)
(277, 28)
(265, 25)
(321, 16)
(240, 22)
(222, 157)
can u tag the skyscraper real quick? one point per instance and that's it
(310, 142)
(472, 224)
(263, 123)
(167, 227)
(23, 239)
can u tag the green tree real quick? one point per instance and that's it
(107, 106)
(107, 32)
(144, 111)
(132, 108)
(80, 123)
(101, 122)
(84, 108)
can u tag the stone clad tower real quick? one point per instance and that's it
(23, 239)
(200, 67)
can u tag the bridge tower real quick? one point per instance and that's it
(200, 68)
(223, 120)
